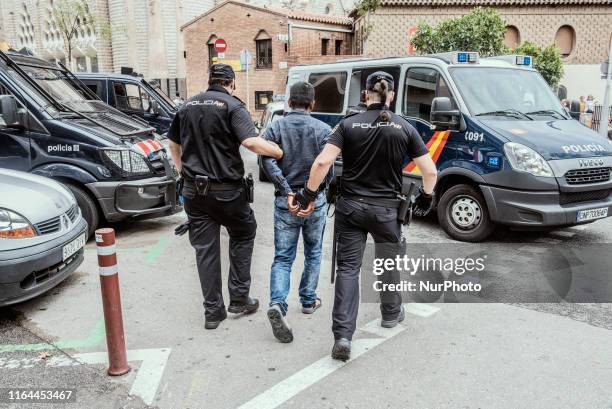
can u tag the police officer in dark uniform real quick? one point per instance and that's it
(373, 145)
(205, 139)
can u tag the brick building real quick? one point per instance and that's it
(277, 39)
(581, 29)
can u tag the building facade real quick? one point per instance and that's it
(580, 28)
(140, 34)
(276, 39)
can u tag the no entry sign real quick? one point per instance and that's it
(220, 45)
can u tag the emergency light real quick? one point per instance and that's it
(466, 58)
(521, 60)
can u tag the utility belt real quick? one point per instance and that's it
(403, 203)
(374, 201)
(203, 185)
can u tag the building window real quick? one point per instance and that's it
(264, 53)
(81, 64)
(94, 64)
(565, 39)
(338, 47)
(212, 53)
(329, 91)
(263, 98)
(324, 46)
(512, 37)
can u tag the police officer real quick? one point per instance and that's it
(205, 138)
(373, 145)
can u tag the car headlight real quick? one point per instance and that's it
(128, 162)
(14, 226)
(525, 159)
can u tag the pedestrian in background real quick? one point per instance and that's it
(205, 138)
(302, 138)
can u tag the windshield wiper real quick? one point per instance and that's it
(507, 112)
(550, 112)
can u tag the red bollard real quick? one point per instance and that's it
(111, 302)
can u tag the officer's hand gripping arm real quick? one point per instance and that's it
(262, 147)
(321, 166)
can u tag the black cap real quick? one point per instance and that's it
(302, 94)
(222, 72)
(378, 76)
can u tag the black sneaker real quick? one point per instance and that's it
(213, 322)
(392, 323)
(311, 308)
(247, 307)
(341, 350)
(280, 327)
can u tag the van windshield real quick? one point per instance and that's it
(507, 92)
(56, 84)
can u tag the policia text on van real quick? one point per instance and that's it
(506, 150)
(52, 125)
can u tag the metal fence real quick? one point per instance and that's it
(597, 117)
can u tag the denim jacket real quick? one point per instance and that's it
(302, 138)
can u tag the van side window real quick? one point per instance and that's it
(131, 97)
(422, 86)
(329, 91)
(94, 86)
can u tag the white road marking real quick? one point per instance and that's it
(148, 375)
(299, 381)
(564, 233)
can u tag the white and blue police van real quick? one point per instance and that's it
(507, 151)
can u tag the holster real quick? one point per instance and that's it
(404, 212)
(250, 188)
(202, 185)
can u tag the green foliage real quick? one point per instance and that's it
(72, 16)
(480, 30)
(364, 7)
(547, 60)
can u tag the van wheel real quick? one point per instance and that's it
(463, 214)
(87, 206)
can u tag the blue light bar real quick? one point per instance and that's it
(462, 57)
(523, 60)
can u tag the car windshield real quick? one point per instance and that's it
(507, 92)
(57, 85)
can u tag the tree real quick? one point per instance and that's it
(72, 16)
(547, 60)
(480, 30)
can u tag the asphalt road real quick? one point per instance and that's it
(488, 355)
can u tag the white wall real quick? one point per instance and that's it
(584, 80)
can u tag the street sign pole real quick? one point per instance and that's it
(245, 61)
(605, 114)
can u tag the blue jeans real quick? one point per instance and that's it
(286, 236)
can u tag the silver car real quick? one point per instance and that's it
(42, 235)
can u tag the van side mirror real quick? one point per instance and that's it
(9, 112)
(443, 117)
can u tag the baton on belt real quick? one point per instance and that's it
(334, 246)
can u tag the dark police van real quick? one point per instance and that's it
(52, 125)
(506, 150)
(133, 95)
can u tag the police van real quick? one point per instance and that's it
(52, 125)
(506, 150)
(134, 96)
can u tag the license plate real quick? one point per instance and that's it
(593, 214)
(74, 246)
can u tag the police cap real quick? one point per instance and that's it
(377, 77)
(222, 72)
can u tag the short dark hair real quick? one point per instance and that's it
(219, 82)
(301, 95)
